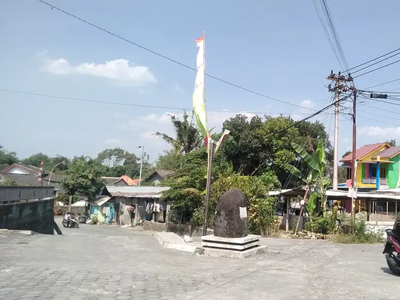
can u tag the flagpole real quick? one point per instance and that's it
(210, 148)
(208, 184)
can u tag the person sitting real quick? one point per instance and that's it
(68, 217)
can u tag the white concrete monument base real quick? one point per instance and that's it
(232, 247)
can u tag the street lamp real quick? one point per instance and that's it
(141, 164)
(51, 172)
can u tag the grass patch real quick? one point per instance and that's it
(364, 238)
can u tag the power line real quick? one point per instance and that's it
(137, 105)
(387, 82)
(382, 109)
(375, 114)
(334, 31)
(327, 34)
(379, 121)
(394, 62)
(372, 60)
(375, 63)
(166, 57)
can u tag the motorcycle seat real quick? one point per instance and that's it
(390, 232)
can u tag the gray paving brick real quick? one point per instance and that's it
(105, 262)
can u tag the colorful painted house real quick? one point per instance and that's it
(377, 166)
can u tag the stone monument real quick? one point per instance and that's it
(230, 237)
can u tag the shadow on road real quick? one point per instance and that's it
(387, 271)
(56, 228)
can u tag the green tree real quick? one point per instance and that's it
(8, 182)
(84, 177)
(391, 142)
(256, 146)
(255, 190)
(168, 161)
(346, 153)
(118, 162)
(187, 138)
(243, 147)
(36, 159)
(49, 162)
(7, 158)
(111, 157)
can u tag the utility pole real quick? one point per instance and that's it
(353, 159)
(338, 79)
(141, 165)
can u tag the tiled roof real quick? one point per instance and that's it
(161, 173)
(28, 180)
(30, 169)
(389, 152)
(363, 151)
(129, 180)
(111, 180)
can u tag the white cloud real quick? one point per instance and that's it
(112, 142)
(382, 132)
(345, 141)
(147, 125)
(307, 104)
(118, 70)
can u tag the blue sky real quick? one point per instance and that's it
(277, 48)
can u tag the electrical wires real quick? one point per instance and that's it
(330, 32)
(135, 104)
(166, 57)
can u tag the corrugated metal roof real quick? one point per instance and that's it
(389, 152)
(136, 191)
(363, 151)
(102, 200)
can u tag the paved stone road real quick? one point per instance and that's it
(104, 262)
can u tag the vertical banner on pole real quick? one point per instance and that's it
(200, 111)
(199, 95)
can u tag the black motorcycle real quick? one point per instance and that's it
(82, 219)
(392, 252)
(71, 223)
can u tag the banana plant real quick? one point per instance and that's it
(316, 182)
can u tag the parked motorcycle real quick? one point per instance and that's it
(72, 223)
(82, 219)
(392, 252)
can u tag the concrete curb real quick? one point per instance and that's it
(25, 232)
(171, 240)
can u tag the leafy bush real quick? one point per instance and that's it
(95, 219)
(360, 236)
(263, 216)
(322, 225)
(8, 182)
(64, 199)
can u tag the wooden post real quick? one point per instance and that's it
(387, 207)
(368, 209)
(287, 212)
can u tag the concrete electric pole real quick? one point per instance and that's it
(141, 164)
(339, 87)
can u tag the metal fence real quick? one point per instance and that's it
(12, 194)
